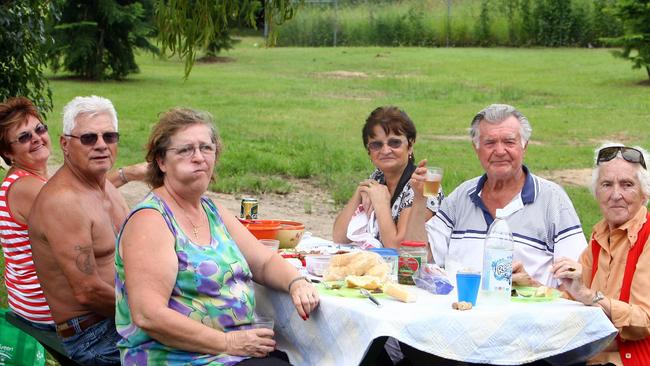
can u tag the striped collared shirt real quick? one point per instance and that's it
(541, 217)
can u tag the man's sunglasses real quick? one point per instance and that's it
(630, 154)
(90, 139)
(25, 137)
(378, 145)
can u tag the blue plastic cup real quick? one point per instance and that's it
(467, 284)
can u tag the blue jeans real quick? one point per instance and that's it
(94, 346)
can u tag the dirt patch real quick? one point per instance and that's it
(622, 137)
(568, 177)
(344, 74)
(306, 203)
(465, 138)
(351, 96)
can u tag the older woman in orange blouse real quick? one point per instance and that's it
(613, 273)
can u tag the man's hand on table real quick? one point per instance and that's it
(305, 297)
(520, 277)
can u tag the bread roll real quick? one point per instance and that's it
(367, 282)
(400, 292)
(356, 264)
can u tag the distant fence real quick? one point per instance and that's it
(450, 23)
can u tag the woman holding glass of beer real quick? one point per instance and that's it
(383, 201)
(185, 264)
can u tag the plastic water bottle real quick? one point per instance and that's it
(496, 281)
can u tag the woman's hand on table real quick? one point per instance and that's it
(305, 298)
(569, 272)
(251, 342)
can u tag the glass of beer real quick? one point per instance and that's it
(432, 181)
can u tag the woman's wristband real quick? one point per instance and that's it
(120, 172)
(295, 280)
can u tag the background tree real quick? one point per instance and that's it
(23, 43)
(96, 39)
(187, 26)
(635, 16)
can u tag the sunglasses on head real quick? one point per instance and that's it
(90, 139)
(630, 154)
(393, 143)
(25, 137)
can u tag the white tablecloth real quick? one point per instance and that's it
(342, 329)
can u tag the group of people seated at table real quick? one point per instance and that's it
(168, 283)
(550, 247)
(171, 280)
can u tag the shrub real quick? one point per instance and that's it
(425, 23)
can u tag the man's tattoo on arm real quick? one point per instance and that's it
(84, 259)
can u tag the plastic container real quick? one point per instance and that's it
(391, 256)
(317, 264)
(272, 244)
(411, 256)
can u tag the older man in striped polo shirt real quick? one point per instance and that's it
(541, 216)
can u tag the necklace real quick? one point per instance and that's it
(195, 229)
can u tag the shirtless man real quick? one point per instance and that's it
(73, 225)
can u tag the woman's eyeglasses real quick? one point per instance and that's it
(90, 139)
(188, 150)
(630, 154)
(378, 145)
(25, 137)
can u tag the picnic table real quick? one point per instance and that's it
(342, 329)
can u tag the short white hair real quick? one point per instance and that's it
(497, 113)
(643, 175)
(92, 105)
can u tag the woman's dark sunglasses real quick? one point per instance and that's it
(630, 154)
(378, 145)
(26, 136)
(90, 139)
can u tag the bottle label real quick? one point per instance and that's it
(502, 269)
(408, 266)
(497, 270)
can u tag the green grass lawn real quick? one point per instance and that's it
(284, 112)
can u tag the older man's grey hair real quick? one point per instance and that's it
(92, 105)
(642, 174)
(497, 113)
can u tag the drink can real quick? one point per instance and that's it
(248, 208)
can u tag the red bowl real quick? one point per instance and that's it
(263, 229)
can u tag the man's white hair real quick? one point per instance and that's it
(92, 105)
(497, 113)
(643, 175)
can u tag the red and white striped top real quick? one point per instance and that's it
(23, 288)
